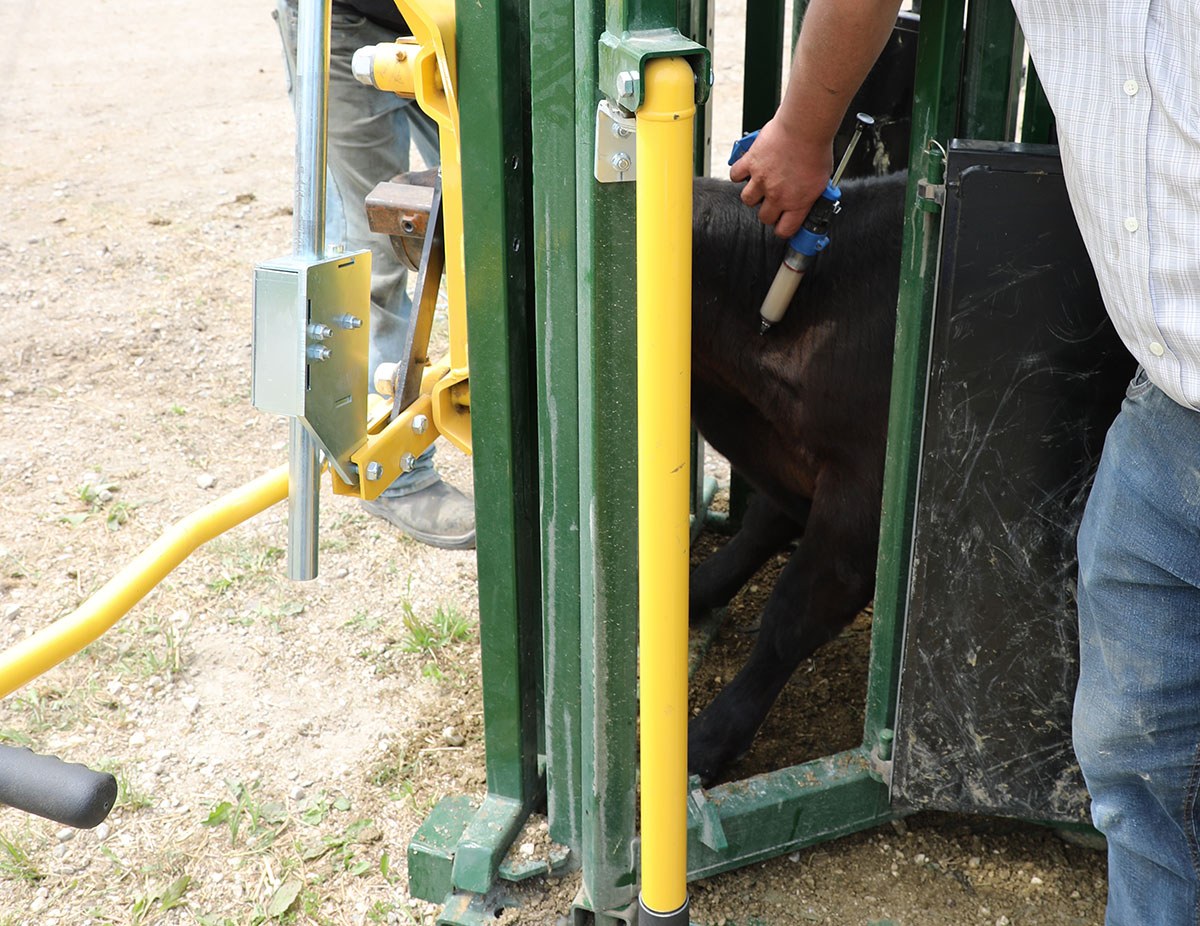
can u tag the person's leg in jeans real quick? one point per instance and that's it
(370, 136)
(1137, 707)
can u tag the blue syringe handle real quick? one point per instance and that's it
(741, 146)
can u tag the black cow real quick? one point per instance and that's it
(801, 412)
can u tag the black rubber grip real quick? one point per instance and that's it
(67, 793)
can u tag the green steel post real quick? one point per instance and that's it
(493, 83)
(1037, 125)
(552, 110)
(607, 499)
(988, 98)
(799, 8)
(939, 52)
(763, 68)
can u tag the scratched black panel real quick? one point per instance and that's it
(1026, 375)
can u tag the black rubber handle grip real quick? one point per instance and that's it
(67, 793)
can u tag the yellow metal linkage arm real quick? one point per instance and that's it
(48, 647)
(664, 287)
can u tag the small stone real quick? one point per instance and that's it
(114, 687)
(37, 905)
(101, 832)
(59, 850)
(1035, 880)
(190, 704)
(1075, 895)
(137, 738)
(206, 480)
(527, 849)
(452, 737)
(10, 611)
(65, 834)
(1002, 921)
(298, 793)
(973, 861)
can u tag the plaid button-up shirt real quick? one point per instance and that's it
(1123, 79)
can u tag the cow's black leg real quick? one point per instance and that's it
(827, 581)
(765, 530)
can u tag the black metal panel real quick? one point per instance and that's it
(1026, 374)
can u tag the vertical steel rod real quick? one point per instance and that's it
(312, 91)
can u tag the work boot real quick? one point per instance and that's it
(439, 515)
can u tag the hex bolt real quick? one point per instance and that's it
(349, 321)
(374, 470)
(620, 162)
(407, 462)
(320, 332)
(362, 66)
(317, 352)
(620, 131)
(420, 424)
(627, 83)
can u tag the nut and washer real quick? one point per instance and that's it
(620, 162)
(407, 462)
(374, 470)
(317, 352)
(420, 424)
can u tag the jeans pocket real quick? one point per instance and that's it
(1139, 385)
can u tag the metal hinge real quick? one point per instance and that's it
(931, 196)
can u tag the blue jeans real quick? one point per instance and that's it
(1137, 707)
(370, 137)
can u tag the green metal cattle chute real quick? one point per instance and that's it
(550, 285)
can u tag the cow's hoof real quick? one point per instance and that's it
(711, 748)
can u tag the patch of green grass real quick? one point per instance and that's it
(160, 899)
(97, 496)
(243, 563)
(262, 822)
(177, 409)
(15, 863)
(153, 649)
(129, 796)
(426, 637)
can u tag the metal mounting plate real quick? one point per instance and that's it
(300, 307)
(616, 144)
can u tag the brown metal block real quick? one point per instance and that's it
(401, 210)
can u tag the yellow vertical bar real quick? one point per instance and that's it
(664, 286)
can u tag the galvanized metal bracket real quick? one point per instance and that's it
(712, 833)
(616, 144)
(310, 338)
(623, 58)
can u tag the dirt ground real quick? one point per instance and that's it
(277, 743)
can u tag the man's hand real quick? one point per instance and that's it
(791, 160)
(784, 178)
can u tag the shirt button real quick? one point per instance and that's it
(1131, 224)
(1156, 349)
(1131, 87)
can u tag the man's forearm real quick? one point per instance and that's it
(789, 164)
(838, 45)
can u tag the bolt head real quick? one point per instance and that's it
(621, 162)
(627, 83)
(374, 470)
(420, 424)
(362, 66)
(407, 462)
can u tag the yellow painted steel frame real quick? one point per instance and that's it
(664, 286)
(48, 647)
(423, 67)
